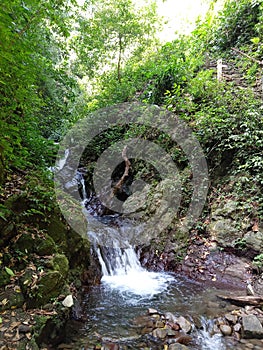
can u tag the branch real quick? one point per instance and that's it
(246, 55)
(119, 184)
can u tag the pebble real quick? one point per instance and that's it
(152, 311)
(225, 329)
(159, 333)
(231, 318)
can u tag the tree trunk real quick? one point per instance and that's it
(119, 59)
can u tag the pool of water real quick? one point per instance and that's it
(112, 309)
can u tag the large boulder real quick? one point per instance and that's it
(252, 328)
(228, 223)
(254, 241)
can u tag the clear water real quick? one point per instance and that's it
(127, 291)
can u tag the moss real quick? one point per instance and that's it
(45, 246)
(4, 278)
(25, 243)
(60, 263)
(18, 203)
(57, 229)
(48, 287)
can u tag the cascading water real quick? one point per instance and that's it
(127, 289)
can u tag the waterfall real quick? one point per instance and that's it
(120, 264)
(206, 337)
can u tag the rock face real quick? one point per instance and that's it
(254, 241)
(227, 224)
(252, 328)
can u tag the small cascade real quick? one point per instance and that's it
(206, 337)
(120, 265)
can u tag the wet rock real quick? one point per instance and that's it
(159, 324)
(185, 325)
(177, 346)
(254, 241)
(184, 339)
(171, 332)
(237, 327)
(159, 333)
(226, 330)
(238, 270)
(252, 328)
(23, 328)
(152, 311)
(231, 318)
(170, 317)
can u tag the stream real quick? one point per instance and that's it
(113, 309)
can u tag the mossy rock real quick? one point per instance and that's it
(57, 229)
(14, 299)
(45, 246)
(4, 278)
(60, 263)
(49, 286)
(18, 203)
(25, 243)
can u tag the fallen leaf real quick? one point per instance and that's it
(29, 336)
(14, 325)
(9, 271)
(4, 302)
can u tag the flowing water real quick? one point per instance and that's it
(127, 290)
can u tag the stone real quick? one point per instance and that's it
(45, 246)
(68, 301)
(231, 318)
(160, 333)
(152, 311)
(177, 346)
(252, 328)
(170, 317)
(225, 330)
(185, 325)
(224, 231)
(159, 324)
(237, 327)
(254, 240)
(23, 328)
(60, 263)
(184, 339)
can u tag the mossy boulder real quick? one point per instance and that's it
(25, 243)
(60, 263)
(57, 229)
(11, 298)
(49, 285)
(18, 203)
(45, 245)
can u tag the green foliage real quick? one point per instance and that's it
(258, 262)
(30, 52)
(112, 32)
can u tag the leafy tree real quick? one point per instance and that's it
(32, 45)
(113, 32)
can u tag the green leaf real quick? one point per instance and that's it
(1, 320)
(9, 271)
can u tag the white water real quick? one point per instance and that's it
(125, 273)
